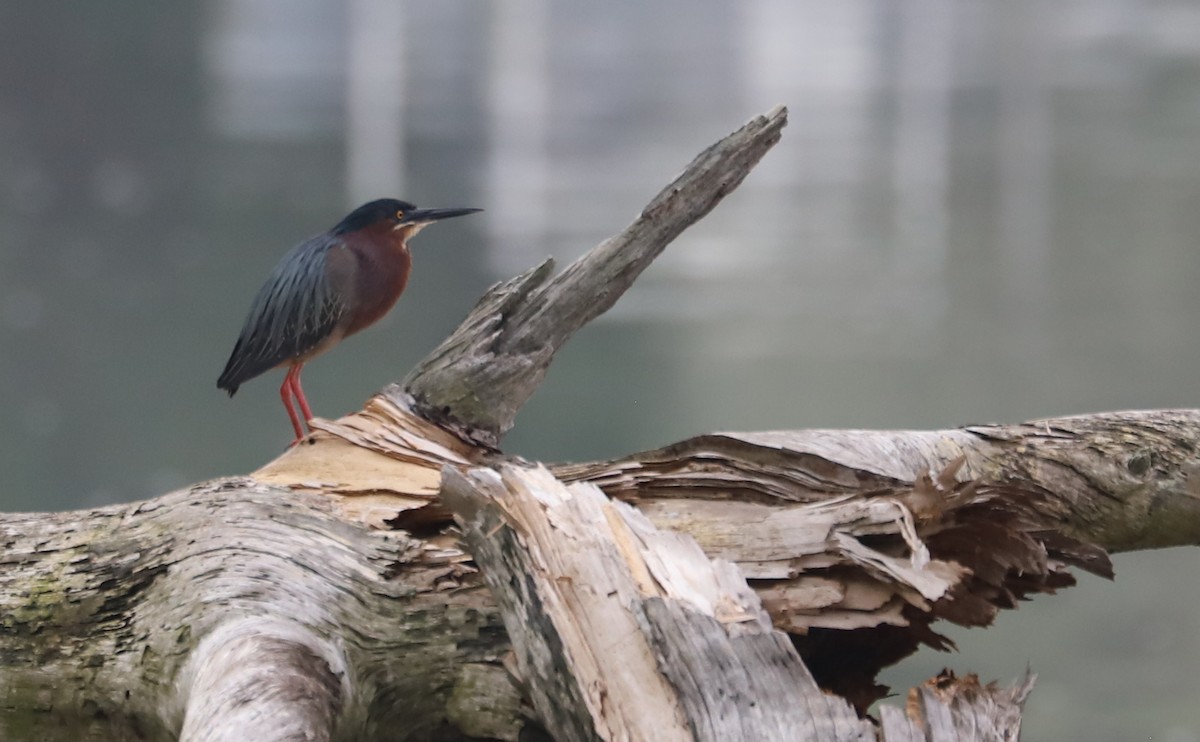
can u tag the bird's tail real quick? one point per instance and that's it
(230, 378)
(227, 384)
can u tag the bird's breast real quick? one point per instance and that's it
(374, 283)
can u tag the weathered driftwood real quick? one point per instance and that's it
(629, 632)
(950, 708)
(116, 600)
(235, 610)
(328, 594)
(479, 378)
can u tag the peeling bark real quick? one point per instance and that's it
(1119, 480)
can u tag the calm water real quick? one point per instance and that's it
(980, 211)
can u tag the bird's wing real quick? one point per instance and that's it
(295, 310)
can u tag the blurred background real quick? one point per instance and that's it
(980, 211)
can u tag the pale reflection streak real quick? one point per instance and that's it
(857, 192)
(518, 164)
(1025, 166)
(277, 67)
(375, 92)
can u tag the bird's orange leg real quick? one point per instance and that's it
(285, 393)
(299, 390)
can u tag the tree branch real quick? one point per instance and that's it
(1117, 480)
(263, 679)
(479, 378)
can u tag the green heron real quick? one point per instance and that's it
(325, 289)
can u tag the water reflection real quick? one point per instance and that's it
(278, 68)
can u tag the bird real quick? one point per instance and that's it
(325, 289)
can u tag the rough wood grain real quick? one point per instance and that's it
(1119, 480)
(262, 679)
(951, 709)
(224, 567)
(604, 609)
(590, 677)
(209, 611)
(848, 553)
(479, 378)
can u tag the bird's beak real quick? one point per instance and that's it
(428, 216)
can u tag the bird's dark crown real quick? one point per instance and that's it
(374, 212)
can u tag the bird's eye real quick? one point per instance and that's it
(399, 215)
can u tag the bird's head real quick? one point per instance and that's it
(396, 215)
